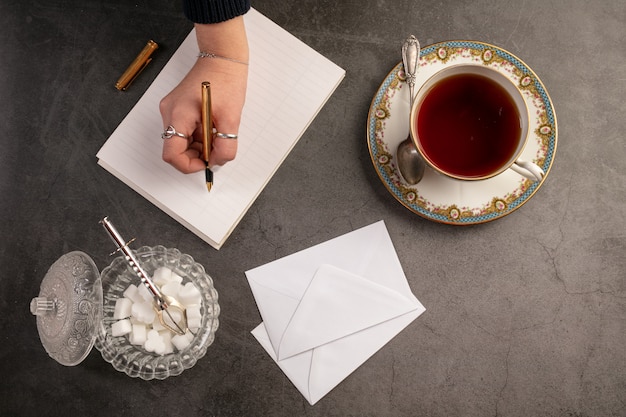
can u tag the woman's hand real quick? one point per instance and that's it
(181, 108)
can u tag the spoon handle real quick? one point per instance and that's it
(410, 58)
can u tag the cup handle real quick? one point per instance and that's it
(528, 169)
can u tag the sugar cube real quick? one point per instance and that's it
(138, 334)
(120, 328)
(166, 335)
(172, 318)
(144, 293)
(156, 324)
(143, 312)
(176, 278)
(122, 308)
(171, 288)
(189, 294)
(180, 341)
(194, 317)
(131, 292)
(154, 343)
(162, 275)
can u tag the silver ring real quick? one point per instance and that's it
(171, 132)
(226, 135)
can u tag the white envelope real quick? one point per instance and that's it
(328, 308)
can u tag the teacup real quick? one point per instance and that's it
(470, 122)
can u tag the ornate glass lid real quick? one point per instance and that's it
(69, 308)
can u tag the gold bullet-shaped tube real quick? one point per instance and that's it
(135, 68)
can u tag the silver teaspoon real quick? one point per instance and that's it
(410, 162)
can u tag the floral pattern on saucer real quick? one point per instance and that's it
(440, 198)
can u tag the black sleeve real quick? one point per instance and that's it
(214, 11)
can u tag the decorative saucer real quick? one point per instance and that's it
(437, 197)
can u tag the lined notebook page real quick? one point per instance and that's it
(288, 83)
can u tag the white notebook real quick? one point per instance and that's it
(288, 83)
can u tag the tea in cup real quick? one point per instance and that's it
(470, 122)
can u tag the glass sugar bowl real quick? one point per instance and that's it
(76, 309)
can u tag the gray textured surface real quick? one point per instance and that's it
(526, 316)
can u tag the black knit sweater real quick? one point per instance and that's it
(214, 11)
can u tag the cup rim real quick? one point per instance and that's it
(428, 84)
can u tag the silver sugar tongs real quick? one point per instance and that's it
(163, 302)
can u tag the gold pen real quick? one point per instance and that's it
(207, 131)
(133, 70)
